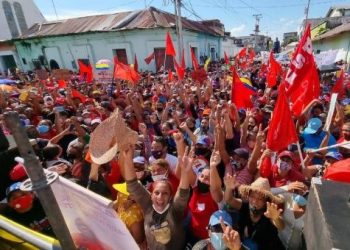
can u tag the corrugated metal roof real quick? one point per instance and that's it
(142, 19)
(333, 32)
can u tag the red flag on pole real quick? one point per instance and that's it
(194, 59)
(227, 61)
(149, 58)
(274, 70)
(136, 64)
(281, 131)
(302, 81)
(339, 86)
(241, 93)
(125, 72)
(242, 53)
(169, 46)
(183, 64)
(179, 70)
(85, 71)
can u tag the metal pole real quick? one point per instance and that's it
(307, 13)
(179, 28)
(37, 176)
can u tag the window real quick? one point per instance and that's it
(20, 16)
(10, 19)
(159, 57)
(121, 55)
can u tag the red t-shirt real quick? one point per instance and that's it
(49, 135)
(202, 206)
(277, 181)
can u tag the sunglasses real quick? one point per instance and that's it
(216, 228)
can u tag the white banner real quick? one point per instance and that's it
(330, 56)
(91, 221)
(330, 112)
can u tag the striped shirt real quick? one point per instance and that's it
(243, 176)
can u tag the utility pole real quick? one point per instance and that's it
(307, 13)
(257, 28)
(179, 28)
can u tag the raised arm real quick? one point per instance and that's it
(230, 185)
(252, 163)
(215, 181)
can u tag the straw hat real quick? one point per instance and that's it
(111, 136)
(261, 186)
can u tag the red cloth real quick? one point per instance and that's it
(85, 71)
(241, 93)
(149, 58)
(274, 70)
(113, 177)
(170, 75)
(277, 181)
(183, 64)
(180, 71)
(169, 46)
(265, 167)
(282, 130)
(77, 94)
(251, 55)
(136, 64)
(62, 83)
(125, 72)
(227, 61)
(194, 59)
(202, 206)
(339, 171)
(339, 86)
(302, 79)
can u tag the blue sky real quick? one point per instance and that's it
(278, 16)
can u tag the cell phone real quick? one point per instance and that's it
(60, 108)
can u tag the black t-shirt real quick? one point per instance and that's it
(263, 233)
(34, 219)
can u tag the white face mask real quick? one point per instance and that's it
(87, 121)
(163, 211)
(159, 177)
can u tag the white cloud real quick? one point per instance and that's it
(237, 30)
(65, 14)
(282, 19)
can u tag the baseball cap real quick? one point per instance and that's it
(286, 153)
(139, 160)
(335, 155)
(96, 121)
(215, 218)
(312, 126)
(13, 187)
(242, 153)
(18, 172)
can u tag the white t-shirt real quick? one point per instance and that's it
(172, 160)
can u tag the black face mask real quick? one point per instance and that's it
(157, 154)
(200, 151)
(203, 187)
(256, 211)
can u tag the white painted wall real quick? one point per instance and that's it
(100, 46)
(31, 13)
(229, 47)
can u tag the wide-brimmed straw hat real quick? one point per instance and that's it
(111, 136)
(260, 186)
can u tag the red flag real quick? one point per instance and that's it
(263, 70)
(227, 61)
(169, 46)
(149, 58)
(170, 75)
(302, 81)
(136, 64)
(274, 70)
(62, 83)
(241, 93)
(339, 86)
(77, 94)
(85, 71)
(281, 131)
(183, 64)
(251, 55)
(242, 53)
(125, 72)
(179, 70)
(194, 59)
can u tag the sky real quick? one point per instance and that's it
(278, 16)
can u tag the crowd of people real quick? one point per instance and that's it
(199, 175)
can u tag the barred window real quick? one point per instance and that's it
(10, 19)
(20, 17)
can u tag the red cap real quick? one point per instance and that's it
(286, 153)
(18, 173)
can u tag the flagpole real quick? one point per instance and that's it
(330, 147)
(301, 156)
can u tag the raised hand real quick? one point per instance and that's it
(178, 137)
(215, 159)
(231, 237)
(272, 211)
(230, 182)
(261, 134)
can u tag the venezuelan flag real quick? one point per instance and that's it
(206, 64)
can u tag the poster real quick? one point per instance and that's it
(90, 219)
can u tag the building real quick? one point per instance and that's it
(16, 16)
(126, 34)
(259, 42)
(289, 37)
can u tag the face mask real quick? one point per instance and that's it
(87, 121)
(236, 165)
(284, 166)
(163, 211)
(157, 154)
(217, 242)
(200, 151)
(256, 211)
(203, 187)
(42, 129)
(22, 203)
(159, 177)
